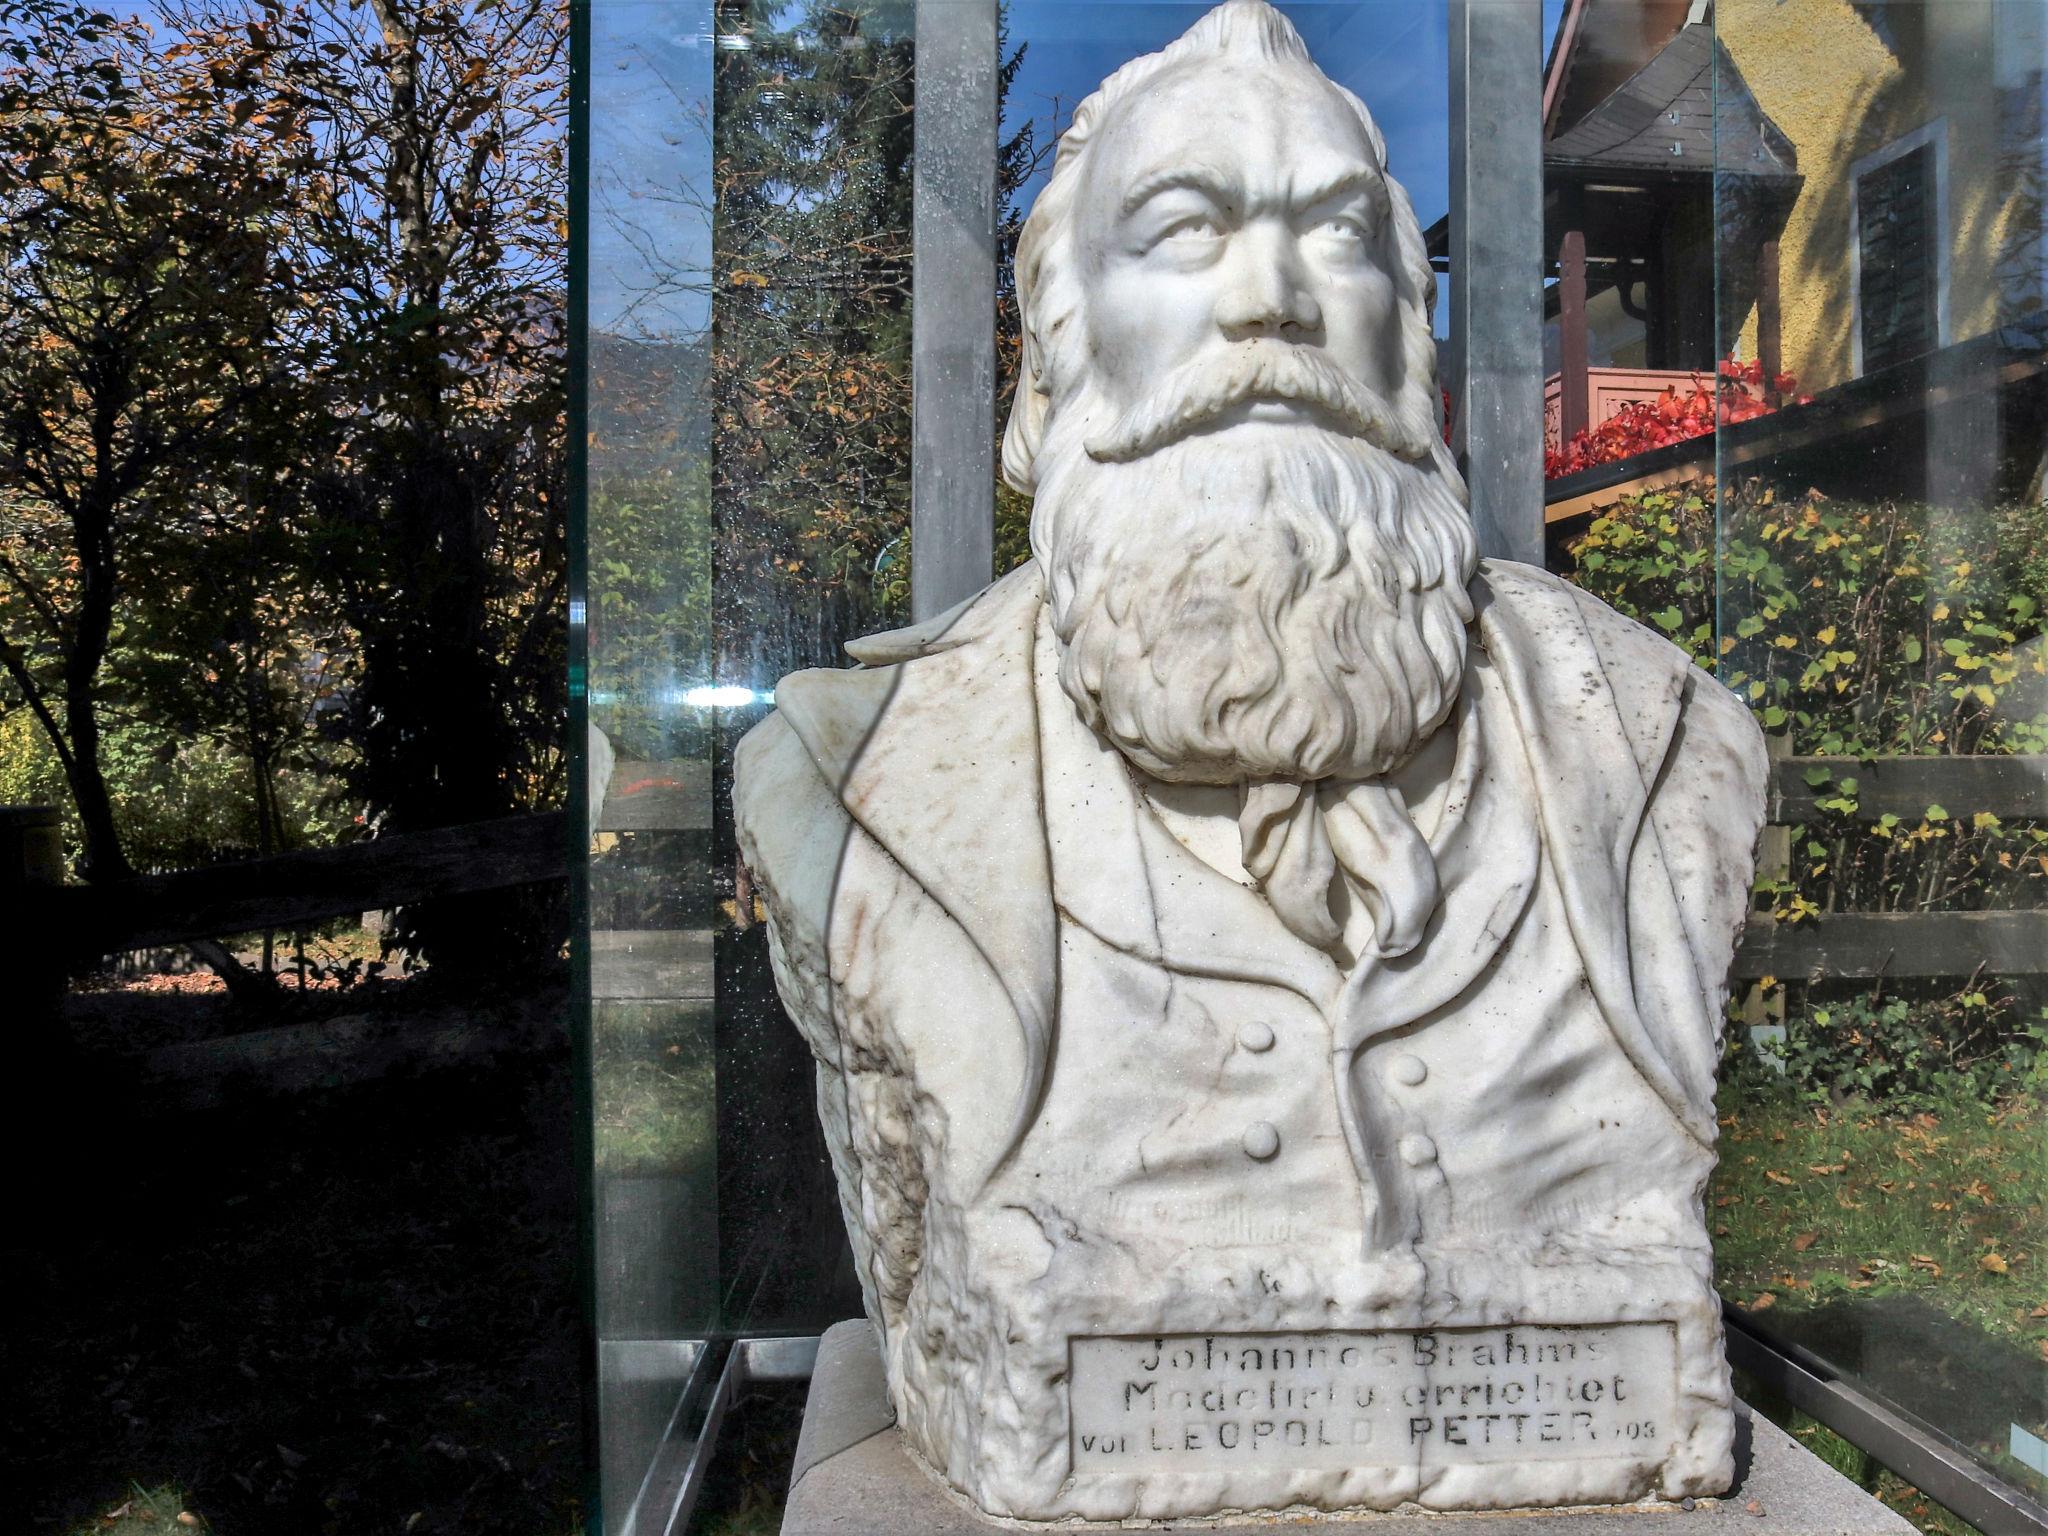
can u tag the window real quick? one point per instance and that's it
(1899, 258)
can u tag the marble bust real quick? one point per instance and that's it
(1265, 965)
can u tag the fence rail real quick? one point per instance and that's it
(1916, 944)
(293, 889)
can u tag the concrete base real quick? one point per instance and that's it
(853, 1478)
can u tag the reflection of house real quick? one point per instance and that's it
(1629, 162)
(1847, 190)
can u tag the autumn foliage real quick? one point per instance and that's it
(1738, 394)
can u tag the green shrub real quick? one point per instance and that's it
(1862, 630)
(179, 801)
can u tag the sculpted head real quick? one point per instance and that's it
(1255, 544)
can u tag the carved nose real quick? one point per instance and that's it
(1267, 295)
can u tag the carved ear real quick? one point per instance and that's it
(1026, 429)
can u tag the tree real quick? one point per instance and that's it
(428, 257)
(136, 316)
(809, 387)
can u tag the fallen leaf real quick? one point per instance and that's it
(1754, 1507)
(1769, 1299)
(1941, 1205)
(2039, 1312)
(1778, 1178)
(1725, 1201)
(1804, 1241)
(1992, 1264)
(186, 1517)
(1926, 1262)
(1826, 1167)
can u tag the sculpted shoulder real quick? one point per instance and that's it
(1650, 675)
(846, 743)
(1718, 743)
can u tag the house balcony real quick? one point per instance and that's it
(1606, 390)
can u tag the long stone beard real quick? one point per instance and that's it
(1267, 602)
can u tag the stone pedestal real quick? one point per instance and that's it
(853, 1477)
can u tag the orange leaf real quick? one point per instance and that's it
(1804, 1241)
(1992, 1264)
(1770, 1299)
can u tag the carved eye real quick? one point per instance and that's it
(1345, 226)
(1194, 226)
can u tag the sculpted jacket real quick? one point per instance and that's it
(1059, 1053)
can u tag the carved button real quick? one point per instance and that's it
(1417, 1151)
(1261, 1140)
(1407, 1070)
(1255, 1035)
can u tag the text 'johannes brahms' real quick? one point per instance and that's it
(1314, 1400)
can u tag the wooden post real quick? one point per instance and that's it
(31, 866)
(1769, 319)
(1574, 408)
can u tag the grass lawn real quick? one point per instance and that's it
(350, 1312)
(1812, 1203)
(1906, 1247)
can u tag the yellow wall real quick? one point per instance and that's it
(1829, 82)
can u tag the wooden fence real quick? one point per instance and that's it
(292, 890)
(1870, 944)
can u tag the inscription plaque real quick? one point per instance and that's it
(1443, 1397)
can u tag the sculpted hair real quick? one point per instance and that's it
(1049, 284)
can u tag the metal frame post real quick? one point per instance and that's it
(953, 306)
(1497, 262)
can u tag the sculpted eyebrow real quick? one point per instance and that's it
(1214, 185)
(1359, 178)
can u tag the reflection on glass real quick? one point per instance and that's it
(1878, 535)
(1858, 551)
(648, 519)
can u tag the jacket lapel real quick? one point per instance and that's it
(936, 757)
(1595, 741)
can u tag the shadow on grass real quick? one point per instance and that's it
(349, 1312)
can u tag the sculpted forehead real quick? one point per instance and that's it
(1273, 128)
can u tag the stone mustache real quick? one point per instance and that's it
(1264, 964)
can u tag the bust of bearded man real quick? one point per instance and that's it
(1264, 964)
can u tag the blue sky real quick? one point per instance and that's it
(650, 89)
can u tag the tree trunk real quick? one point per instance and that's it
(103, 858)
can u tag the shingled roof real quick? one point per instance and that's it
(1662, 119)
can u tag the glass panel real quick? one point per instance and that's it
(647, 604)
(747, 507)
(1879, 525)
